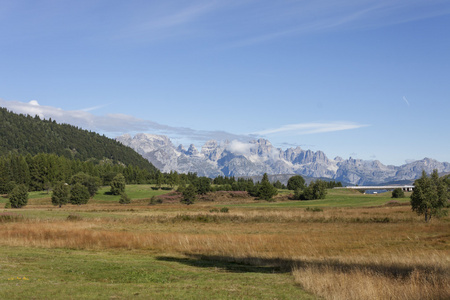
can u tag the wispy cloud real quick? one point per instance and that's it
(406, 100)
(282, 19)
(311, 128)
(115, 124)
(165, 20)
(94, 107)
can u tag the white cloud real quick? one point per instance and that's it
(311, 128)
(282, 19)
(406, 100)
(238, 147)
(115, 124)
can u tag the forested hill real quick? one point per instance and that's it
(31, 135)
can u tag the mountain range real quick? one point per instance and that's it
(243, 159)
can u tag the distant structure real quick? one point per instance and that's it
(405, 188)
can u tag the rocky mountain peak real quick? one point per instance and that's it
(192, 150)
(235, 158)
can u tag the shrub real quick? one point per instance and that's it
(10, 217)
(314, 209)
(124, 199)
(398, 193)
(154, 200)
(74, 217)
(224, 210)
(8, 205)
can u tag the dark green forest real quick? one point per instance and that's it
(30, 135)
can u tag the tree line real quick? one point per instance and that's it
(42, 171)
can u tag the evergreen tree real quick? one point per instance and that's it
(202, 185)
(61, 194)
(18, 196)
(189, 195)
(79, 194)
(118, 184)
(266, 190)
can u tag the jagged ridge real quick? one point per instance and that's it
(259, 156)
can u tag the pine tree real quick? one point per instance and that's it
(19, 196)
(266, 190)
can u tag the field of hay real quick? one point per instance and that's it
(348, 246)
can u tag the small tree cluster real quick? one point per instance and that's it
(316, 190)
(76, 194)
(92, 183)
(430, 196)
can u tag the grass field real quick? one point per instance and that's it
(347, 246)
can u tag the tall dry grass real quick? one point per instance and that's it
(335, 254)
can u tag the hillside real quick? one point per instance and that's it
(31, 135)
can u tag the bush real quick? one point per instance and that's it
(10, 217)
(398, 193)
(74, 217)
(7, 205)
(314, 209)
(154, 201)
(124, 199)
(19, 196)
(224, 210)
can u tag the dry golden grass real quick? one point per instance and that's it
(364, 253)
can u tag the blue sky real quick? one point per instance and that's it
(366, 79)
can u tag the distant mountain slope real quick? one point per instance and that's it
(27, 134)
(258, 157)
